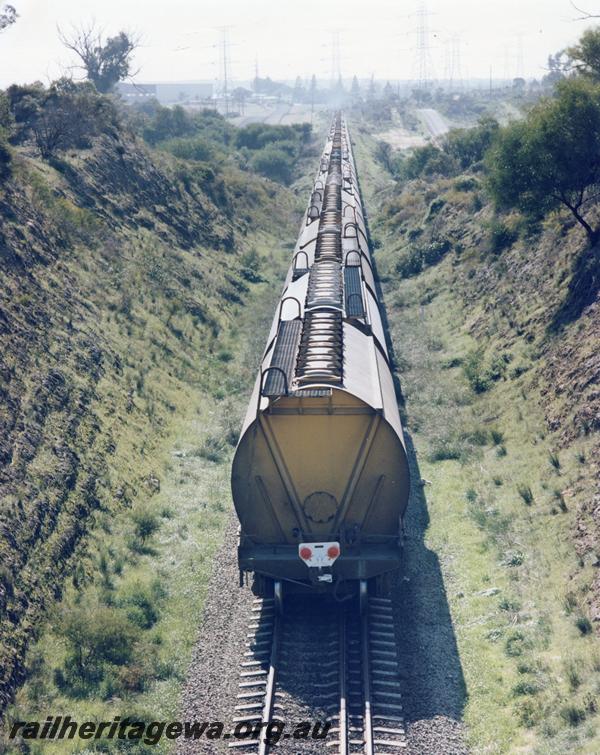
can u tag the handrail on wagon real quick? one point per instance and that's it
(288, 298)
(294, 265)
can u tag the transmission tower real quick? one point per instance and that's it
(224, 67)
(336, 66)
(423, 64)
(507, 66)
(456, 74)
(520, 64)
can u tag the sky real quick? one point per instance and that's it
(287, 38)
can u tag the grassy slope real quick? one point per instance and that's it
(518, 579)
(127, 367)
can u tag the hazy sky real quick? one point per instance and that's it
(294, 37)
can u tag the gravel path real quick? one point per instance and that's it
(211, 687)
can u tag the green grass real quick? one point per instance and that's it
(495, 519)
(168, 539)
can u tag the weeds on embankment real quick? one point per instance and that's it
(504, 492)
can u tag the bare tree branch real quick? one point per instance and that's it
(585, 15)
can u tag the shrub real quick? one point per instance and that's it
(572, 715)
(94, 636)
(65, 115)
(5, 157)
(427, 161)
(190, 148)
(475, 371)
(501, 236)
(515, 644)
(212, 449)
(141, 601)
(467, 146)
(554, 460)
(466, 183)
(526, 494)
(145, 523)
(584, 625)
(273, 163)
(525, 687)
(497, 437)
(410, 262)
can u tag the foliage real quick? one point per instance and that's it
(552, 157)
(8, 16)
(141, 600)
(63, 116)
(259, 135)
(468, 145)
(412, 260)
(585, 55)
(501, 235)
(274, 163)
(189, 148)
(105, 63)
(481, 372)
(145, 523)
(427, 161)
(96, 636)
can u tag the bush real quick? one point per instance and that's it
(96, 636)
(145, 523)
(5, 157)
(190, 148)
(476, 372)
(427, 161)
(259, 135)
(141, 602)
(584, 625)
(467, 146)
(412, 260)
(212, 449)
(273, 163)
(501, 236)
(526, 494)
(63, 116)
(480, 372)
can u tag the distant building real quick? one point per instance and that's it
(169, 92)
(136, 92)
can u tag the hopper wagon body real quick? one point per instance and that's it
(320, 476)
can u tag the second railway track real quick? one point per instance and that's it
(324, 664)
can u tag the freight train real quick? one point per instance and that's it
(320, 476)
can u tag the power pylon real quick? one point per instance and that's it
(423, 64)
(456, 74)
(520, 64)
(224, 66)
(336, 66)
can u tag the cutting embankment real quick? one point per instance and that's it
(495, 327)
(135, 289)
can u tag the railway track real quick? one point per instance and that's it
(324, 664)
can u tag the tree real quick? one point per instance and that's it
(8, 15)
(469, 145)
(105, 63)
(586, 53)
(65, 115)
(355, 89)
(552, 158)
(559, 65)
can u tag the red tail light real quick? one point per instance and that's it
(333, 551)
(305, 553)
